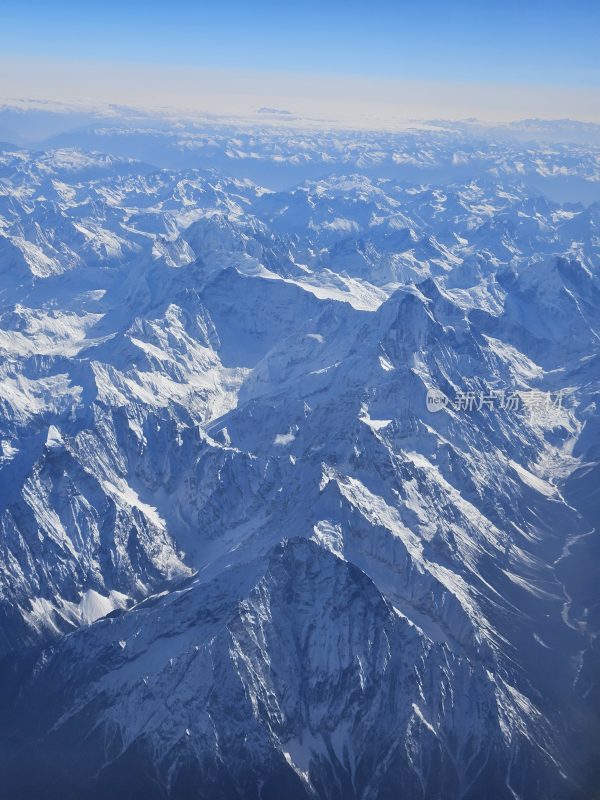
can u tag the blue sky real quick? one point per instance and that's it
(459, 58)
(517, 42)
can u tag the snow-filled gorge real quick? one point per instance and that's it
(240, 557)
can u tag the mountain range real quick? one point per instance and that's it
(241, 557)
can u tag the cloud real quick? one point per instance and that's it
(367, 102)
